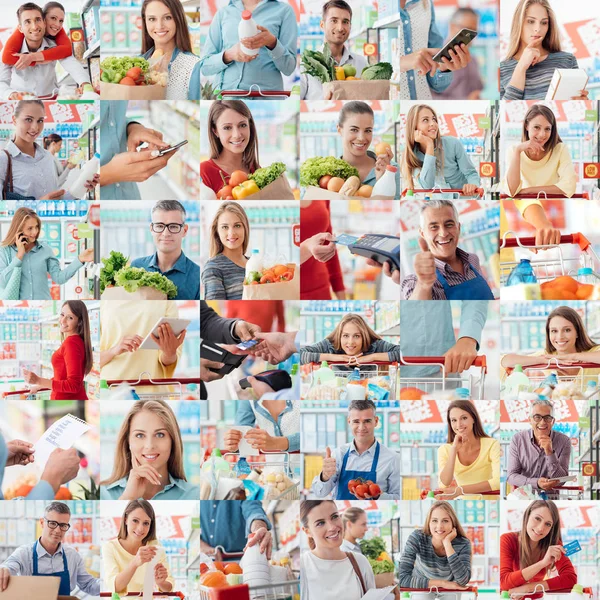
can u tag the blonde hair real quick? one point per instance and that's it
(410, 160)
(216, 246)
(122, 465)
(368, 335)
(551, 41)
(18, 221)
(450, 512)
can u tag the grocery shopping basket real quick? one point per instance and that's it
(555, 266)
(537, 377)
(438, 590)
(266, 460)
(378, 371)
(254, 92)
(165, 595)
(454, 193)
(192, 391)
(475, 384)
(42, 394)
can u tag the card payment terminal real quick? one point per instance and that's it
(378, 247)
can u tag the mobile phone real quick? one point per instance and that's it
(464, 36)
(171, 148)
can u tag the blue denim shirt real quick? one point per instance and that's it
(194, 83)
(227, 523)
(176, 489)
(245, 416)
(265, 70)
(113, 140)
(185, 274)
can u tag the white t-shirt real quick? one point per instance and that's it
(333, 579)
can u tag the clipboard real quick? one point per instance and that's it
(178, 325)
(40, 588)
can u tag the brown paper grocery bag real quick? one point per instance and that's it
(376, 89)
(279, 189)
(314, 192)
(114, 91)
(282, 290)
(145, 293)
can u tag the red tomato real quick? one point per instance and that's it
(361, 490)
(374, 490)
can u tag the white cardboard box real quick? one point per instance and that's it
(567, 83)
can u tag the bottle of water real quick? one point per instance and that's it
(586, 275)
(590, 389)
(522, 273)
(242, 468)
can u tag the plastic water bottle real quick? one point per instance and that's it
(586, 275)
(516, 381)
(242, 468)
(254, 265)
(462, 393)
(247, 29)
(590, 389)
(89, 169)
(386, 184)
(522, 273)
(548, 385)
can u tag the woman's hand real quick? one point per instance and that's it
(21, 243)
(31, 378)
(25, 60)
(263, 38)
(90, 184)
(141, 479)
(531, 146)
(132, 166)
(449, 493)
(137, 134)
(420, 61)
(530, 56)
(19, 453)
(130, 343)
(232, 439)
(160, 574)
(144, 555)
(424, 140)
(459, 440)
(316, 247)
(382, 161)
(87, 255)
(452, 585)
(460, 57)
(553, 554)
(469, 189)
(168, 342)
(260, 439)
(450, 536)
(354, 359)
(53, 195)
(583, 95)
(236, 54)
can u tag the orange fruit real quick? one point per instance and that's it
(566, 283)
(220, 566)
(584, 291)
(550, 293)
(568, 296)
(411, 393)
(233, 568)
(279, 269)
(214, 579)
(63, 493)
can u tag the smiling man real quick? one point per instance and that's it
(442, 270)
(539, 455)
(168, 228)
(364, 457)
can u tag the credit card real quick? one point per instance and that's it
(572, 547)
(345, 239)
(247, 345)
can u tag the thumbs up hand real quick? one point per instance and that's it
(329, 466)
(425, 266)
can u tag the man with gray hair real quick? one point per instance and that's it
(168, 228)
(48, 557)
(442, 270)
(539, 456)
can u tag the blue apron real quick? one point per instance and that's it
(474, 289)
(65, 579)
(343, 493)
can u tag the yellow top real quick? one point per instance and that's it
(114, 560)
(485, 468)
(555, 168)
(119, 318)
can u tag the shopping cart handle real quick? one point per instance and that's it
(24, 392)
(181, 380)
(470, 588)
(552, 364)
(381, 363)
(480, 361)
(140, 595)
(543, 196)
(571, 238)
(478, 191)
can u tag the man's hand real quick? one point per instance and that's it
(329, 466)
(260, 388)
(547, 484)
(19, 453)
(137, 134)
(275, 347)
(262, 536)
(387, 270)
(206, 374)
(62, 466)
(424, 265)
(546, 445)
(246, 331)
(461, 356)
(133, 166)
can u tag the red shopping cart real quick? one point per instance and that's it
(540, 592)
(438, 590)
(545, 196)
(382, 374)
(165, 595)
(556, 264)
(474, 383)
(479, 496)
(454, 193)
(254, 92)
(173, 388)
(42, 394)
(565, 492)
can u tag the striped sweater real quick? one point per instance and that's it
(222, 279)
(537, 79)
(313, 352)
(419, 562)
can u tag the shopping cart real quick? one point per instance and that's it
(438, 591)
(556, 265)
(265, 461)
(571, 492)
(42, 394)
(542, 195)
(540, 592)
(454, 193)
(474, 383)
(479, 496)
(537, 377)
(254, 92)
(385, 373)
(191, 391)
(168, 595)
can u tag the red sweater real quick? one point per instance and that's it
(69, 364)
(260, 312)
(317, 279)
(511, 575)
(211, 175)
(14, 44)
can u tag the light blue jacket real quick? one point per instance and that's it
(176, 489)
(194, 83)
(35, 266)
(265, 70)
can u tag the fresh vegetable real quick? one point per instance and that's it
(127, 81)
(232, 568)
(382, 70)
(314, 168)
(114, 68)
(225, 192)
(266, 175)
(135, 73)
(374, 490)
(351, 186)
(214, 579)
(372, 548)
(132, 278)
(237, 177)
(319, 64)
(340, 74)
(272, 275)
(349, 70)
(361, 491)
(364, 488)
(384, 556)
(245, 189)
(324, 181)
(114, 263)
(411, 393)
(335, 184)
(381, 566)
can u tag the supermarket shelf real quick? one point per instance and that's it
(395, 330)
(91, 51)
(326, 313)
(388, 23)
(359, 33)
(178, 191)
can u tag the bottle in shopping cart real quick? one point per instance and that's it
(242, 468)
(586, 275)
(590, 389)
(255, 565)
(462, 393)
(247, 29)
(405, 595)
(324, 375)
(577, 592)
(115, 596)
(505, 595)
(516, 381)
(386, 184)
(254, 266)
(548, 385)
(522, 273)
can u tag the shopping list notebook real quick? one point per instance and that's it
(61, 434)
(40, 588)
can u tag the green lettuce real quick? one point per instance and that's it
(381, 566)
(314, 168)
(133, 278)
(114, 68)
(263, 177)
(112, 265)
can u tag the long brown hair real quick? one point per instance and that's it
(551, 41)
(147, 508)
(541, 110)
(18, 221)
(122, 464)
(305, 509)
(182, 33)
(528, 555)
(410, 160)
(583, 342)
(352, 514)
(216, 246)
(468, 407)
(368, 335)
(79, 309)
(250, 155)
(443, 504)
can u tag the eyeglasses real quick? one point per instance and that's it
(538, 418)
(172, 227)
(55, 524)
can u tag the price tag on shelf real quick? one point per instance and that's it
(591, 170)
(487, 169)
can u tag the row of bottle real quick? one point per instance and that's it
(130, 214)
(524, 273)
(532, 310)
(517, 381)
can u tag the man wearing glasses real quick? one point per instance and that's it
(48, 557)
(538, 456)
(168, 229)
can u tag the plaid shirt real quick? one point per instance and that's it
(471, 268)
